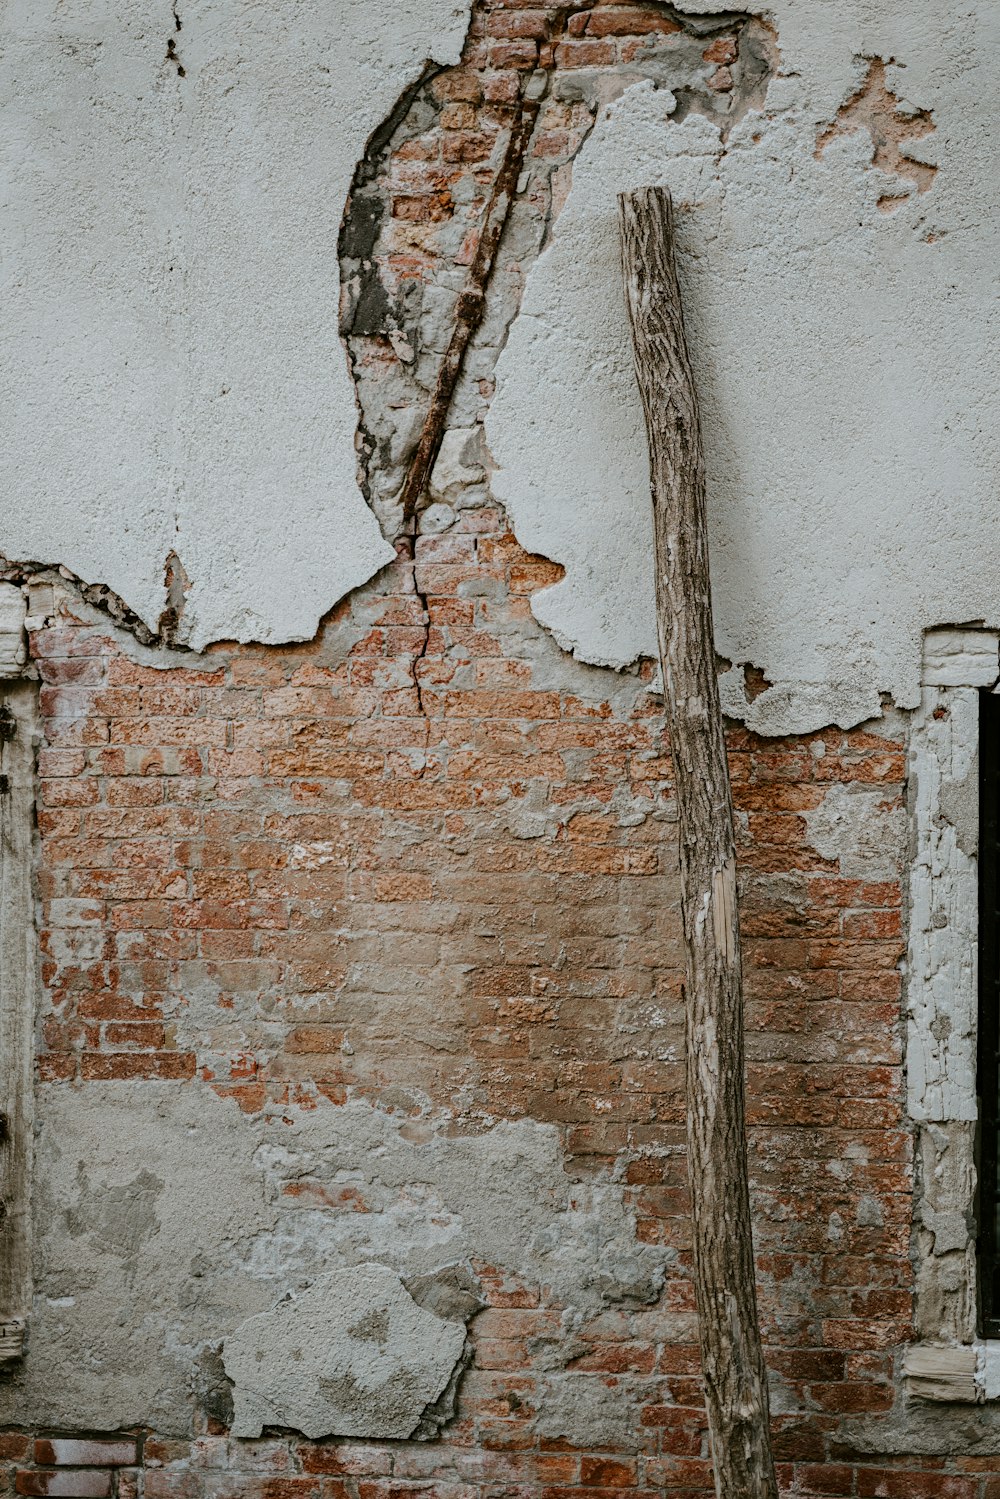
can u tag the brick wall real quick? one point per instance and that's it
(462, 903)
(427, 861)
(213, 1468)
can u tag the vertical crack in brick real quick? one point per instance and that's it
(421, 654)
(365, 308)
(470, 309)
(456, 194)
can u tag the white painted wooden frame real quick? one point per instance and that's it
(948, 1362)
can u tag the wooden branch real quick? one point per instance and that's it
(471, 306)
(732, 1359)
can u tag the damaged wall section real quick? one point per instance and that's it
(174, 376)
(222, 1229)
(337, 974)
(229, 416)
(830, 341)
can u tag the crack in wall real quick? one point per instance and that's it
(470, 309)
(366, 309)
(172, 53)
(412, 213)
(425, 643)
(404, 322)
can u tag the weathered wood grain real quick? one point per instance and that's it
(732, 1359)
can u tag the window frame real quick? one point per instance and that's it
(950, 1361)
(987, 1196)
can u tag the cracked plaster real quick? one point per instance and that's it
(850, 461)
(352, 1356)
(147, 1258)
(173, 375)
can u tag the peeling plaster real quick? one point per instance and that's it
(173, 376)
(850, 462)
(192, 400)
(354, 1356)
(860, 828)
(152, 1252)
(894, 128)
(418, 315)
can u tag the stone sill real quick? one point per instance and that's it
(966, 1374)
(11, 1340)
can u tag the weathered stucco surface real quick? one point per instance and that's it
(353, 1355)
(173, 377)
(836, 311)
(149, 1259)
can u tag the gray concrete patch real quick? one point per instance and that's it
(164, 1219)
(354, 1356)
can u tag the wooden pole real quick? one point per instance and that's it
(732, 1359)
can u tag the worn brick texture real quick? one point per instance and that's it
(463, 902)
(427, 860)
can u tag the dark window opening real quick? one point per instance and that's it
(988, 1146)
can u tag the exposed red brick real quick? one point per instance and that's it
(82, 1484)
(89, 1452)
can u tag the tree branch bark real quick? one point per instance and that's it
(731, 1354)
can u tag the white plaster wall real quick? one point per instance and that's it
(172, 379)
(171, 375)
(842, 356)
